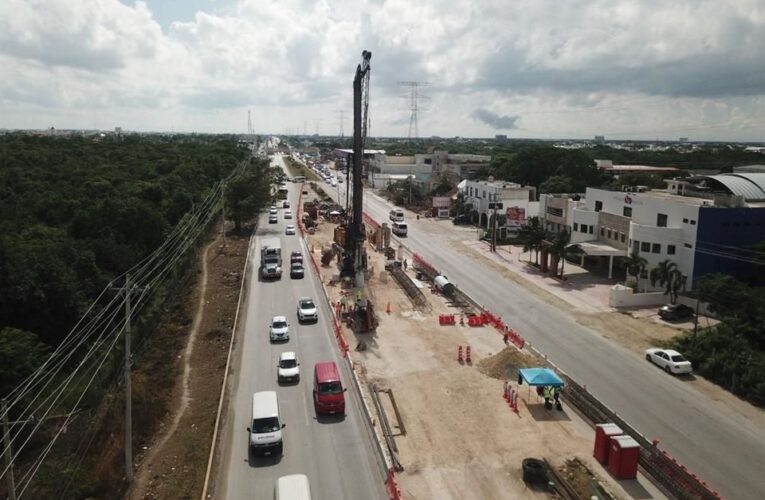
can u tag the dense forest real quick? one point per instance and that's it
(77, 211)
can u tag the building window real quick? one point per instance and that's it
(670, 249)
(656, 248)
(598, 206)
(556, 212)
(576, 226)
(627, 212)
(687, 245)
(645, 247)
(693, 223)
(661, 220)
(428, 161)
(592, 229)
(623, 237)
(608, 231)
(583, 228)
(685, 221)
(602, 231)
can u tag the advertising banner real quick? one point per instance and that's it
(441, 202)
(516, 217)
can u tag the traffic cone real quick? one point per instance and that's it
(515, 402)
(504, 392)
(387, 309)
(459, 354)
(467, 355)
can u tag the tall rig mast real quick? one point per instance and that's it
(414, 97)
(355, 262)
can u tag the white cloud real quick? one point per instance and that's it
(553, 69)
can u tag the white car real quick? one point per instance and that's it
(290, 229)
(307, 310)
(288, 214)
(671, 361)
(279, 329)
(288, 369)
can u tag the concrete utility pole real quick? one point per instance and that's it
(8, 451)
(128, 289)
(223, 213)
(494, 224)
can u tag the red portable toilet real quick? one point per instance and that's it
(603, 434)
(623, 457)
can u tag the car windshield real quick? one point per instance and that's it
(678, 358)
(263, 425)
(306, 304)
(279, 324)
(288, 363)
(330, 388)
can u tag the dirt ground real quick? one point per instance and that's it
(462, 441)
(172, 464)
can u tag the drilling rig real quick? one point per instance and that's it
(355, 259)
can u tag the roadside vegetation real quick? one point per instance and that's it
(731, 353)
(74, 214)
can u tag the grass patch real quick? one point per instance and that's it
(296, 168)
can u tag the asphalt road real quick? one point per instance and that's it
(722, 447)
(336, 454)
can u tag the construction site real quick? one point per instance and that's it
(440, 380)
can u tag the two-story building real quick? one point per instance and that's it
(517, 202)
(703, 224)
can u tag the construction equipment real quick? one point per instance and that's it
(354, 261)
(362, 318)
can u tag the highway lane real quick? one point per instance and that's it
(719, 445)
(336, 454)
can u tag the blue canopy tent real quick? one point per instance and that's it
(541, 376)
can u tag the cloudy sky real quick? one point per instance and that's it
(633, 69)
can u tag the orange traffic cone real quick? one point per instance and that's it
(459, 354)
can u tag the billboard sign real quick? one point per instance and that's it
(516, 217)
(441, 202)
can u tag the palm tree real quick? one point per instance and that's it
(669, 276)
(635, 265)
(558, 247)
(532, 234)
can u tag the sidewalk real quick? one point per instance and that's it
(582, 290)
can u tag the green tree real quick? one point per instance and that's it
(249, 193)
(558, 247)
(532, 234)
(635, 265)
(21, 353)
(667, 275)
(557, 184)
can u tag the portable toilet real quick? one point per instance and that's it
(603, 435)
(623, 457)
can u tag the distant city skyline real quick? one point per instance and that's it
(529, 69)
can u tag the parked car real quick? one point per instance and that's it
(286, 204)
(461, 220)
(296, 256)
(288, 214)
(307, 310)
(671, 361)
(676, 312)
(279, 329)
(272, 210)
(273, 219)
(290, 229)
(296, 270)
(288, 369)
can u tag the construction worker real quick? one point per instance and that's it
(405, 265)
(546, 393)
(343, 303)
(504, 338)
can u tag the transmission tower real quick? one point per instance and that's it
(317, 126)
(341, 120)
(413, 97)
(250, 131)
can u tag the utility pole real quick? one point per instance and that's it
(223, 213)
(494, 223)
(8, 451)
(128, 289)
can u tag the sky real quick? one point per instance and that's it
(625, 69)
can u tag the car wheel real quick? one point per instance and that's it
(668, 370)
(648, 357)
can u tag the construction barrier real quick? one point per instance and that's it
(394, 492)
(418, 261)
(369, 220)
(447, 319)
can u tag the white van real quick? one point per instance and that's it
(396, 215)
(399, 228)
(266, 427)
(293, 487)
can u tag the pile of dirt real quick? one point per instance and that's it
(505, 364)
(584, 482)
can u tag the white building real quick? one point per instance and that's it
(701, 224)
(518, 202)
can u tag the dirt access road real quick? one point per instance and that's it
(172, 463)
(461, 441)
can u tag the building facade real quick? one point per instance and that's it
(518, 202)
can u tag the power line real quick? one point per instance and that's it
(413, 98)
